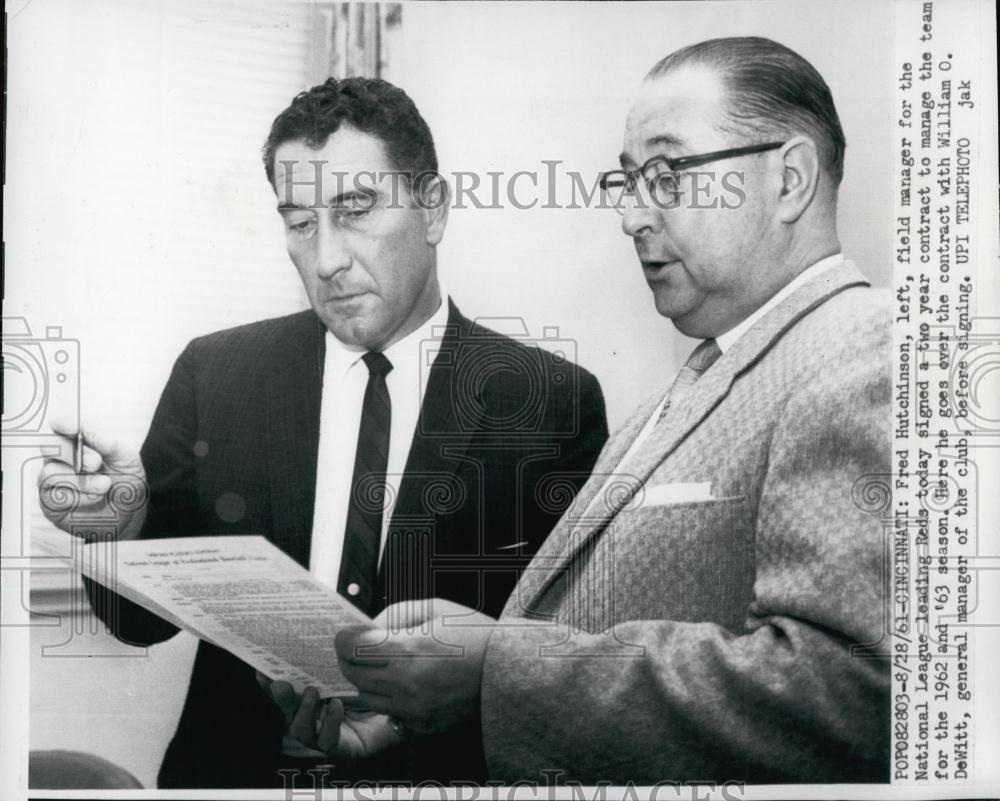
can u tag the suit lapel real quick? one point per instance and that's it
(585, 519)
(292, 435)
(553, 550)
(439, 431)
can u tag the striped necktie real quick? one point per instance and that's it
(703, 357)
(363, 538)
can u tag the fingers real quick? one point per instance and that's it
(287, 700)
(367, 679)
(373, 647)
(56, 475)
(303, 723)
(66, 456)
(405, 614)
(64, 427)
(98, 448)
(91, 460)
(308, 719)
(352, 643)
(411, 614)
(329, 730)
(442, 607)
(113, 453)
(379, 703)
(61, 492)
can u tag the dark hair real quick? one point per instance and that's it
(370, 105)
(771, 88)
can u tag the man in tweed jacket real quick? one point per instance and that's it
(711, 607)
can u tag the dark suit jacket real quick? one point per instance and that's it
(506, 436)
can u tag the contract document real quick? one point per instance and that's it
(239, 593)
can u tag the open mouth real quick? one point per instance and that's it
(653, 268)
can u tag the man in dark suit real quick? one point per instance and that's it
(382, 439)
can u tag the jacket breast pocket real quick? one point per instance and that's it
(692, 562)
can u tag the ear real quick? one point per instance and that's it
(433, 195)
(800, 177)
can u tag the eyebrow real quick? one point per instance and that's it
(665, 139)
(364, 192)
(334, 201)
(659, 139)
(294, 207)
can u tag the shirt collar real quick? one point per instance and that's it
(403, 354)
(727, 340)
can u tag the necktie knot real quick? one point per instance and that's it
(704, 356)
(377, 363)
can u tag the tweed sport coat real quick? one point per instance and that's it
(734, 638)
(233, 447)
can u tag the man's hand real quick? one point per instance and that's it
(112, 483)
(318, 728)
(423, 666)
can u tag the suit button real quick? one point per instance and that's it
(353, 589)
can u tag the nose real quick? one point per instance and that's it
(640, 218)
(333, 253)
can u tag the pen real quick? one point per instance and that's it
(78, 453)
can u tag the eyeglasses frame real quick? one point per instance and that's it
(676, 165)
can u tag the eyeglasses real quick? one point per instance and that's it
(661, 175)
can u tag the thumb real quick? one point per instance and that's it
(406, 614)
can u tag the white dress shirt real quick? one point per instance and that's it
(345, 377)
(727, 340)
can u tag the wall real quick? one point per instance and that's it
(505, 86)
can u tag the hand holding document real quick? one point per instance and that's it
(330, 728)
(240, 593)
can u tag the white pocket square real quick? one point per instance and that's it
(681, 492)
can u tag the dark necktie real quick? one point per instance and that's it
(703, 357)
(358, 577)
